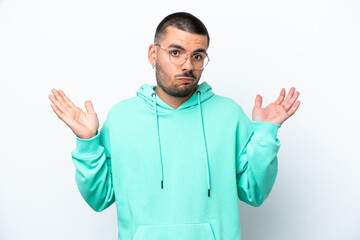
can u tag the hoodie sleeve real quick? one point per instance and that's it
(92, 159)
(257, 162)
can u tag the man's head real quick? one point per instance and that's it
(182, 21)
(179, 34)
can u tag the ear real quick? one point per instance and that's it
(152, 54)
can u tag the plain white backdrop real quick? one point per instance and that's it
(97, 50)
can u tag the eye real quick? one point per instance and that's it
(174, 53)
(197, 57)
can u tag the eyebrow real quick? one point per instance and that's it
(180, 47)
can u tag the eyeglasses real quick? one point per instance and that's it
(178, 57)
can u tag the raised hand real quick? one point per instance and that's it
(278, 111)
(84, 125)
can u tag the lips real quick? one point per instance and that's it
(185, 79)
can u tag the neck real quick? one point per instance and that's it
(170, 100)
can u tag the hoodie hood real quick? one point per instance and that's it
(203, 92)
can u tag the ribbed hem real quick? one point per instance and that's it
(89, 146)
(265, 130)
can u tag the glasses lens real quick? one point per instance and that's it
(177, 58)
(198, 60)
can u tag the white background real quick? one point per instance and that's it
(97, 50)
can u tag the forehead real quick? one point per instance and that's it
(185, 39)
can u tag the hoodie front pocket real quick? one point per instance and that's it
(190, 231)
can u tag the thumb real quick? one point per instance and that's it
(258, 101)
(89, 106)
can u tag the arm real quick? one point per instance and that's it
(257, 163)
(93, 175)
(91, 156)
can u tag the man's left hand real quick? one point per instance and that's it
(278, 111)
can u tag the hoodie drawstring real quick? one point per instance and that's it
(203, 133)
(205, 145)
(158, 137)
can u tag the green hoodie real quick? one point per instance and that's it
(177, 174)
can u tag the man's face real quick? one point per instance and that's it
(178, 81)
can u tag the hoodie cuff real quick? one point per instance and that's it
(90, 146)
(265, 130)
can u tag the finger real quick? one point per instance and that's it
(56, 102)
(295, 107)
(60, 102)
(61, 115)
(258, 101)
(89, 106)
(289, 96)
(57, 111)
(61, 99)
(291, 101)
(67, 100)
(281, 97)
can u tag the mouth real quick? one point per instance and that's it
(185, 79)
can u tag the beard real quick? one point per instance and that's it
(164, 82)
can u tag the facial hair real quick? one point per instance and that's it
(164, 82)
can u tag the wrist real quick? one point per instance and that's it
(265, 130)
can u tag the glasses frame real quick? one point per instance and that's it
(187, 55)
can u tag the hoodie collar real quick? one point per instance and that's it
(146, 90)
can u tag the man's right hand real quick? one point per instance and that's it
(84, 125)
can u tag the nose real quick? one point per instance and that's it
(187, 64)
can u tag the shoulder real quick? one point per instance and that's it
(227, 104)
(125, 104)
(229, 110)
(123, 107)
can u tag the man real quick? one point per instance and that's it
(177, 157)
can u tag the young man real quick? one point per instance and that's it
(177, 157)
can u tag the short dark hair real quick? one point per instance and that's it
(183, 21)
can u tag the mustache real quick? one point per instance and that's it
(187, 74)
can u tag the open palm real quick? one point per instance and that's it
(278, 111)
(84, 125)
